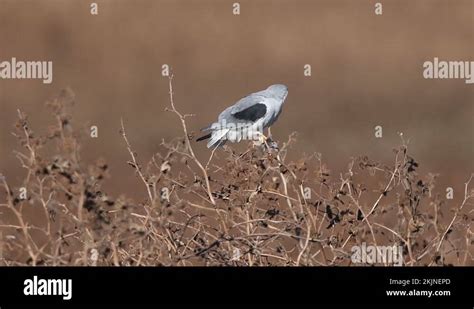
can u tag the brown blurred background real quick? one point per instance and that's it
(366, 71)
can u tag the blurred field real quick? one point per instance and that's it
(366, 71)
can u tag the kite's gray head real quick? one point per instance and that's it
(278, 91)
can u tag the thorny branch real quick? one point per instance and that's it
(264, 208)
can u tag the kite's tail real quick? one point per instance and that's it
(217, 138)
(204, 137)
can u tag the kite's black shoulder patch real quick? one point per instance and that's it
(252, 113)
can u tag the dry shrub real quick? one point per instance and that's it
(250, 208)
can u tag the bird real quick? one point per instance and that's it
(246, 119)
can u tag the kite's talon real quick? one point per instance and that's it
(261, 139)
(273, 145)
